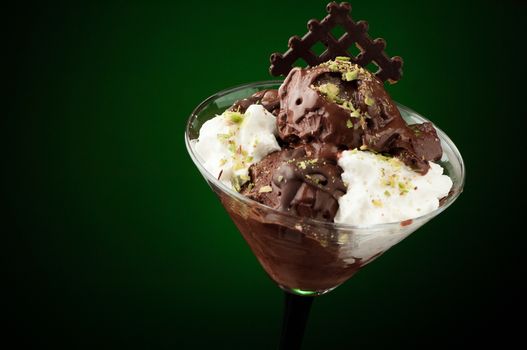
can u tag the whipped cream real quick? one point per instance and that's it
(382, 189)
(229, 143)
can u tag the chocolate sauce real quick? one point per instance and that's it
(267, 98)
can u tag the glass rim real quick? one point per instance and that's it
(305, 220)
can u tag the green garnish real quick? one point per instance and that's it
(387, 193)
(235, 117)
(391, 181)
(369, 101)
(265, 189)
(330, 90)
(376, 203)
(342, 58)
(355, 113)
(235, 182)
(333, 66)
(350, 75)
(232, 146)
(224, 137)
(348, 105)
(403, 187)
(349, 124)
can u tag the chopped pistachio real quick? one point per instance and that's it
(330, 90)
(223, 161)
(350, 75)
(376, 203)
(349, 124)
(249, 159)
(403, 188)
(250, 186)
(238, 165)
(316, 180)
(387, 193)
(342, 58)
(235, 182)
(224, 137)
(391, 181)
(355, 113)
(383, 157)
(312, 161)
(280, 178)
(396, 163)
(348, 105)
(241, 151)
(363, 147)
(333, 66)
(232, 146)
(369, 101)
(265, 189)
(301, 165)
(362, 122)
(235, 117)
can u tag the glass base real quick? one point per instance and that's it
(305, 293)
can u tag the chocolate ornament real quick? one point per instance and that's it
(390, 69)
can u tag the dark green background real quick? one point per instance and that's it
(113, 239)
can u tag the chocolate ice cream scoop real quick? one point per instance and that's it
(341, 103)
(304, 181)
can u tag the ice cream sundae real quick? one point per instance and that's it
(323, 173)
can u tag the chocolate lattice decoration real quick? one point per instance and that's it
(356, 34)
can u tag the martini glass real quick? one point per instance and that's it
(307, 257)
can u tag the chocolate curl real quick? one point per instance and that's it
(389, 69)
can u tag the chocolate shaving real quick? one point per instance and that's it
(390, 69)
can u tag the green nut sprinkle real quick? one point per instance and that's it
(330, 90)
(351, 75)
(235, 117)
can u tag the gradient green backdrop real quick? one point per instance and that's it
(114, 240)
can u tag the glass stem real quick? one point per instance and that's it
(296, 312)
